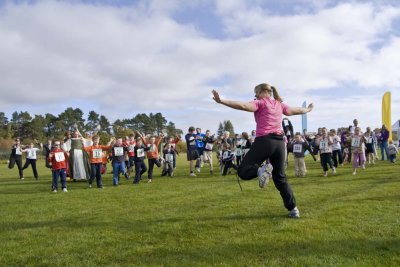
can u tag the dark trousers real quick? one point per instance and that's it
(168, 168)
(151, 167)
(16, 159)
(33, 163)
(229, 164)
(140, 168)
(337, 157)
(96, 172)
(269, 147)
(59, 174)
(326, 159)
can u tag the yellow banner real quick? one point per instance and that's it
(387, 112)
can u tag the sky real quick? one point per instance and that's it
(120, 58)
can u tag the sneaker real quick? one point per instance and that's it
(198, 169)
(90, 185)
(263, 176)
(54, 190)
(65, 190)
(294, 213)
(192, 174)
(22, 178)
(354, 173)
(325, 174)
(334, 170)
(149, 181)
(363, 166)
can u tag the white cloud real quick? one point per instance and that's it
(131, 59)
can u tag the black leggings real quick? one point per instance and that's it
(16, 159)
(33, 163)
(270, 147)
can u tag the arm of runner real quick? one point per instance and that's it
(297, 110)
(246, 106)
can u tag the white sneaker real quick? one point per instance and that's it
(294, 213)
(263, 176)
(325, 174)
(333, 170)
(363, 166)
(354, 173)
(65, 190)
(54, 190)
(198, 169)
(192, 174)
(22, 178)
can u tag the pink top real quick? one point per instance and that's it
(268, 116)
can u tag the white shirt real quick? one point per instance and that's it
(31, 152)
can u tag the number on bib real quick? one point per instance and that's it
(323, 145)
(118, 151)
(209, 146)
(370, 140)
(140, 153)
(97, 153)
(297, 148)
(169, 157)
(355, 142)
(59, 156)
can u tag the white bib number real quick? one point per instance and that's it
(118, 151)
(297, 148)
(59, 156)
(225, 155)
(31, 154)
(355, 142)
(323, 145)
(238, 152)
(209, 146)
(370, 140)
(151, 148)
(97, 153)
(169, 157)
(140, 152)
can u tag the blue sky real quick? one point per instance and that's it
(121, 58)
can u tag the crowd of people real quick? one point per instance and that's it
(263, 154)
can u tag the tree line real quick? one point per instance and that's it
(42, 127)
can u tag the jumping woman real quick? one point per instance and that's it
(268, 111)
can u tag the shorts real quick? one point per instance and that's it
(192, 155)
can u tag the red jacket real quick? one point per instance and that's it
(58, 159)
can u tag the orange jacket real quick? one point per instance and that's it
(96, 153)
(152, 153)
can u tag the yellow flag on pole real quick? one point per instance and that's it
(387, 112)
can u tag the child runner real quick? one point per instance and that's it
(152, 153)
(96, 159)
(358, 149)
(31, 158)
(118, 160)
(140, 166)
(392, 151)
(299, 147)
(169, 153)
(336, 149)
(16, 157)
(173, 142)
(200, 148)
(58, 165)
(131, 152)
(208, 149)
(192, 153)
(370, 145)
(325, 148)
(228, 159)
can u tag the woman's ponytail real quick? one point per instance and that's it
(276, 95)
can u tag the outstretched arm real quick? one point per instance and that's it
(297, 111)
(246, 106)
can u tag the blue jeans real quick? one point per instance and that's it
(96, 172)
(117, 168)
(384, 149)
(62, 174)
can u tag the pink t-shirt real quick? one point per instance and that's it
(268, 116)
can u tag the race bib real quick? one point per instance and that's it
(118, 151)
(31, 154)
(297, 148)
(18, 151)
(97, 153)
(238, 152)
(169, 157)
(151, 148)
(369, 140)
(323, 145)
(355, 142)
(59, 156)
(192, 143)
(225, 155)
(209, 146)
(140, 153)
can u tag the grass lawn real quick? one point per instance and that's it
(206, 220)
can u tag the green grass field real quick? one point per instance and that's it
(206, 220)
